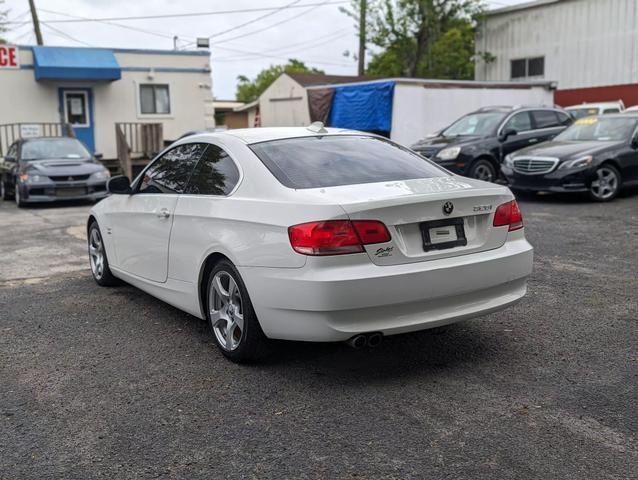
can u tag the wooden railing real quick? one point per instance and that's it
(137, 141)
(10, 132)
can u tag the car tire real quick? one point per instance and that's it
(231, 316)
(606, 184)
(483, 170)
(18, 197)
(97, 258)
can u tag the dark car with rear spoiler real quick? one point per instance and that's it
(48, 169)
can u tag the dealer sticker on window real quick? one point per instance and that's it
(587, 121)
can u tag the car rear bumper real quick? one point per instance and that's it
(337, 302)
(53, 193)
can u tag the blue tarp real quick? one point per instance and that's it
(363, 107)
(68, 63)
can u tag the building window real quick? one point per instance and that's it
(155, 99)
(527, 67)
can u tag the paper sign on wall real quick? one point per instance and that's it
(30, 131)
(76, 106)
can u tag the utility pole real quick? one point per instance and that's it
(36, 23)
(363, 7)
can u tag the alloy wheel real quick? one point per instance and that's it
(605, 184)
(483, 172)
(226, 310)
(96, 253)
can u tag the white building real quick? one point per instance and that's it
(94, 89)
(589, 47)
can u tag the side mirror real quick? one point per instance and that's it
(508, 132)
(98, 156)
(10, 159)
(634, 142)
(119, 185)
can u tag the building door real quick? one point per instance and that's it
(76, 108)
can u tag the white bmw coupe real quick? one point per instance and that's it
(309, 234)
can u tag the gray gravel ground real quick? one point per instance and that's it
(111, 383)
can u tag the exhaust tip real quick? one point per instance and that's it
(375, 339)
(358, 341)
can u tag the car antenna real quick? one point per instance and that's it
(317, 127)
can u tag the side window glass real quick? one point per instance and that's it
(520, 122)
(564, 118)
(611, 110)
(13, 151)
(170, 172)
(215, 174)
(545, 119)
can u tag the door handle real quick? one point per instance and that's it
(533, 140)
(164, 213)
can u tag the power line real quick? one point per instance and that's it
(268, 27)
(288, 49)
(65, 35)
(332, 36)
(279, 57)
(254, 20)
(107, 22)
(194, 14)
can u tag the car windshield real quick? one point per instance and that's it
(329, 161)
(480, 124)
(54, 148)
(600, 129)
(582, 112)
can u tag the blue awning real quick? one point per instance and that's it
(68, 63)
(366, 107)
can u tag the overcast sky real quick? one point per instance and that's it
(318, 35)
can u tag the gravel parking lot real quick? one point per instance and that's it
(111, 383)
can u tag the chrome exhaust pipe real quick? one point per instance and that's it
(375, 339)
(358, 341)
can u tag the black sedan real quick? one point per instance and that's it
(47, 169)
(598, 155)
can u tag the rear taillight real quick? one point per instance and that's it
(508, 214)
(371, 231)
(336, 237)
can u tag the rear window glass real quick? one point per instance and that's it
(317, 162)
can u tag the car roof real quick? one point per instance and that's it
(633, 114)
(30, 139)
(265, 134)
(514, 108)
(594, 105)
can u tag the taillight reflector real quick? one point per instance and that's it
(336, 237)
(371, 231)
(508, 214)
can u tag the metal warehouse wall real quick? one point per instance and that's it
(586, 43)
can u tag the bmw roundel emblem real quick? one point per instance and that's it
(448, 207)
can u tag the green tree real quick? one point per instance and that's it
(423, 38)
(249, 90)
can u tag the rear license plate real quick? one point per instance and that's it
(442, 234)
(70, 192)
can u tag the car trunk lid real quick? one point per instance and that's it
(427, 218)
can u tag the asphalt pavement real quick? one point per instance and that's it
(112, 383)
